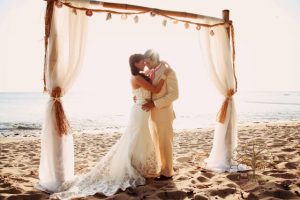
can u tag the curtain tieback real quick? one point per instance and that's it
(223, 111)
(56, 98)
(62, 122)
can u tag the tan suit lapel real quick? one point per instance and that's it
(158, 74)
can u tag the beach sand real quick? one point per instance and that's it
(19, 161)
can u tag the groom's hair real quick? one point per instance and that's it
(153, 55)
(134, 70)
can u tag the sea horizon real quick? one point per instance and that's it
(23, 112)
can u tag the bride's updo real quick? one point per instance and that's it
(134, 70)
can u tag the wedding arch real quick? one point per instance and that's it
(65, 38)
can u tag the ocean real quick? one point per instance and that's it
(22, 114)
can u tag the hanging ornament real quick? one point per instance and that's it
(74, 11)
(136, 19)
(108, 17)
(175, 21)
(198, 27)
(212, 33)
(186, 25)
(124, 16)
(152, 14)
(164, 23)
(58, 4)
(89, 13)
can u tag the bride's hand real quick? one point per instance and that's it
(167, 71)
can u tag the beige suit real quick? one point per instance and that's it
(161, 119)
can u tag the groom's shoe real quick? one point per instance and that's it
(163, 178)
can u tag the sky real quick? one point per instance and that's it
(267, 46)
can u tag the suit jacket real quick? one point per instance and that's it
(163, 110)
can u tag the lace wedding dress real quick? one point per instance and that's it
(127, 163)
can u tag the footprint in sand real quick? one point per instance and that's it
(200, 197)
(11, 190)
(231, 185)
(273, 171)
(193, 182)
(224, 192)
(207, 174)
(28, 197)
(291, 165)
(284, 175)
(4, 184)
(298, 184)
(21, 165)
(183, 159)
(280, 194)
(193, 172)
(234, 177)
(202, 179)
(288, 149)
(174, 195)
(182, 178)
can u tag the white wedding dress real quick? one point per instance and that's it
(127, 163)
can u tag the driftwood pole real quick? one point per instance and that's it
(230, 32)
(155, 10)
(227, 20)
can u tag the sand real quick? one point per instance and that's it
(19, 161)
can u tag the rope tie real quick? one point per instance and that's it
(62, 123)
(56, 99)
(223, 111)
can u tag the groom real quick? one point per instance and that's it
(162, 114)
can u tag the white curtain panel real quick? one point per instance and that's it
(216, 51)
(64, 60)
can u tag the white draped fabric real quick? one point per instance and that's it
(64, 61)
(217, 54)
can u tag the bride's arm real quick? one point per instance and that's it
(148, 86)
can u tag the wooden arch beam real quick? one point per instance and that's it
(121, 6)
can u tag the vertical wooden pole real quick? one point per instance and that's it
(230, 32)
(48, 20)
(227, 20)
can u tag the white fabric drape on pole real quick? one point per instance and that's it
(215, 43)
(64, 61)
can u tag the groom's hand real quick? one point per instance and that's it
(148, 106)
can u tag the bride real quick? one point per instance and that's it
(133, 158)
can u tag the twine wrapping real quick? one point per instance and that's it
(62, 123)
(223, 111)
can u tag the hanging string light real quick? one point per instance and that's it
(164, 23)
(58, 4)
(124, 16)
(153, 13)
(74, 11)
(186, 25)
(136, 19)
(108, 17)
(89, 13)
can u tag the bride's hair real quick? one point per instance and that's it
(134, 70)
